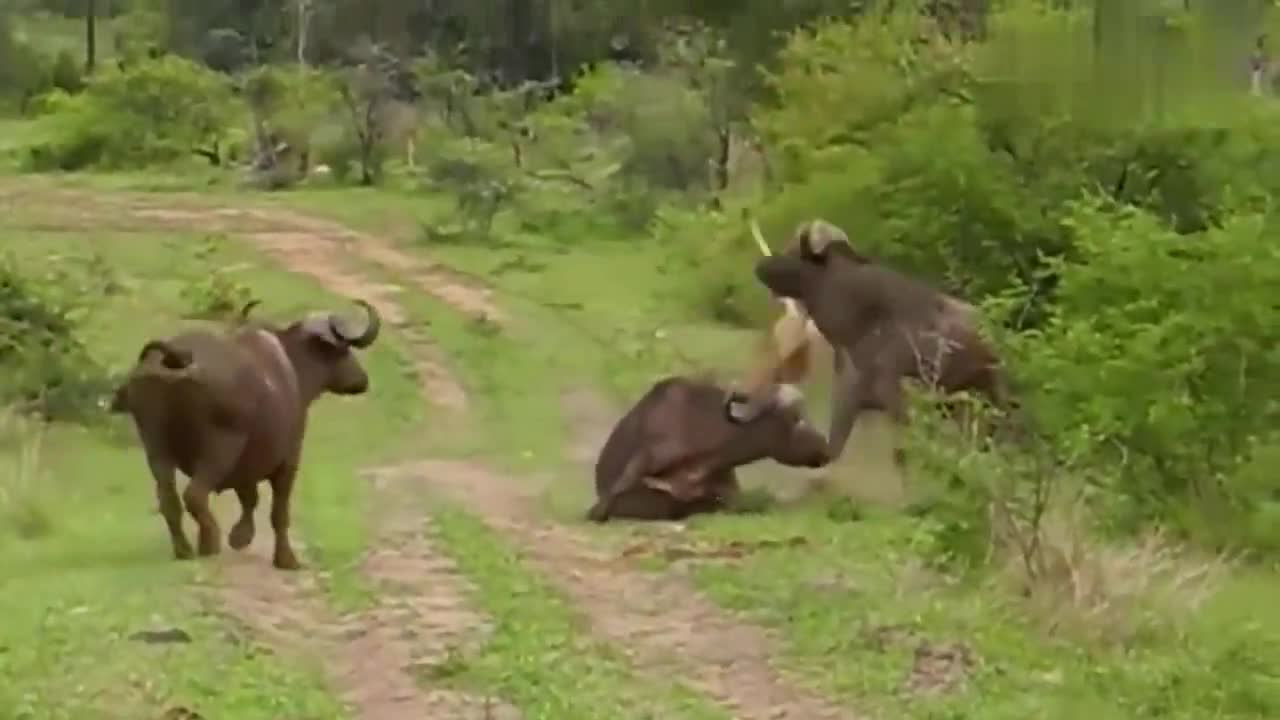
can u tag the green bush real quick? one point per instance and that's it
(216, 295)
(156, 111)
(24, 71)
(65, 74)
(291, 103)
(44, 367)
(1161, 356)
(664, 123)
(1129, 261)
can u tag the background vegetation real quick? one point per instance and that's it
(1098, 175)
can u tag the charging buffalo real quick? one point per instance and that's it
(229, 409)
(883, 326)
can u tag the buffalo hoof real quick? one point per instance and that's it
(241, 536)
(286, 560)
(209, 545)
(597, 513)
(183, 551)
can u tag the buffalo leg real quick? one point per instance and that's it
(243, 531)
(725, 488)
(196, 498)
(847, 387)
(170, 505)
(631, 476)
(872, 383)
(281, 490)
(219, 455)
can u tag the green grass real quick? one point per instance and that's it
(587, 318)
(98, 567)
(832, 595)
(537, 657)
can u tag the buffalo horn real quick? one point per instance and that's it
(821, 234)
(744, 407)
(371, 330)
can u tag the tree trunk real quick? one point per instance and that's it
(304, 23)
(519, 24)
(725, 138)
(90, 36)
(366, 161)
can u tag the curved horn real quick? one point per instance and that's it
(786, 395)
(371, 330)
(819, 235)
(741, 407)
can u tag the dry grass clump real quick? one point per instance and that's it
(24, 509)
(1110, 592)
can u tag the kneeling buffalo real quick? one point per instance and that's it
(229, 409)
(674, 453)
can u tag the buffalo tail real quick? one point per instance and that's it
(172, 358)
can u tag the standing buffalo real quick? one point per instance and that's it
(230, 409)
(883, 326)
(674, 453)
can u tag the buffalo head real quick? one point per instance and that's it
(772, 424)
(788, 275)
(320, 347)
(818, 240)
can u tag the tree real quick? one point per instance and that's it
(90, 35)
(367, 95)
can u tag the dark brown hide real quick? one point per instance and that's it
(883, 326)
(229, 410)
(674, 453)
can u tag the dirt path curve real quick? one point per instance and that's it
(663, 625)
(370, 657)
(421, 615)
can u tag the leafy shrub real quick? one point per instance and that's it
(340, 152)
(711, 257)
(44, 366)
(841, 80)
(65, 74)
(217, 294)
(666, 124)
(289, 103)
(1128, 256)
(480, 177)
(153, 112)
(24, 71)
(1160, 355)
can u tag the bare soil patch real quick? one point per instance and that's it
(371, 657)
(664, 626)
(660, 622)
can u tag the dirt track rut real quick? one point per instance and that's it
(661, 624)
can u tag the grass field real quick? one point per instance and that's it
(860, 618)
(86, 558)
